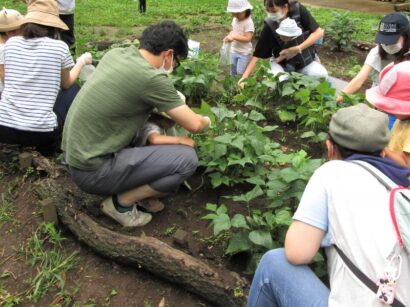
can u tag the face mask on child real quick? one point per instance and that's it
(393, 48)
(171, 69)
(276, 16)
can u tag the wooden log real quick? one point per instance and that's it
(217, 285)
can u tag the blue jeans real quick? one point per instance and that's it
(239, 63)
(279, 283)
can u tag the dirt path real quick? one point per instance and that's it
(367, 6)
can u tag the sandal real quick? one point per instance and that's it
(152, 205)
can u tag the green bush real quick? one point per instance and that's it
(340, 31)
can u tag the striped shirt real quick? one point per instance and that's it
(32, 77)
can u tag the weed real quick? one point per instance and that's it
(170, 230)
(44, 249)
(6, 209)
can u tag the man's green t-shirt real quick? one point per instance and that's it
(112, 105)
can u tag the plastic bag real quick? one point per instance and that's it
(225, 54)
(86, 72)
(193, 49)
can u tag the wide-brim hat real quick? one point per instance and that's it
(288, 27)
(392, 95)
(44, 12)
(10, 20)
(238, 6)
(391, 27)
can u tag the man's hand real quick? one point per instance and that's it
(184, 140)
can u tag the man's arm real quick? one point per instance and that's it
(302, 242)
(189, 120)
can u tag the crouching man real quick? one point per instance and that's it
(343, 205)
(112, 105)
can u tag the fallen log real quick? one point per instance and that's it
(217, 285)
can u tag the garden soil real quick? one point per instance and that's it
(367, 6)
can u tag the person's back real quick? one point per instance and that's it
(359, 224)
(344, 209)
(33, 66)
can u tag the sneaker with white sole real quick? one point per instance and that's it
(133, 218)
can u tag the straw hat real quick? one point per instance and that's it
(44, 12)
(10, 20)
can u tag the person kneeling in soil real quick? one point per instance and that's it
(125, 88)
(270, 46)
(39, 80)
(344, 206)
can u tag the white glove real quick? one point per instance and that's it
(85, 58)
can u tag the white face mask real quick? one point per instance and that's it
(276, 16)
(392, 49)
(171, 69)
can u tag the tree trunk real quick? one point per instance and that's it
(216, 285)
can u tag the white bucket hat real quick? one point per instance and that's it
(237, 6)
(288, 27)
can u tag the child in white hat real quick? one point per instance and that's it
(288, 30)
(241, 35)
(10, 24)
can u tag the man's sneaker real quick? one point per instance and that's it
(133, 218)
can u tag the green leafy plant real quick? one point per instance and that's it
(236, 148)
(340, 31)
(195, 77)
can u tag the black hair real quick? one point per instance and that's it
(164, 36)
(33, 30)
(347, 152)
(272, 3)
(399, 57)
(248, 13)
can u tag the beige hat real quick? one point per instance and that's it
(10, 20)
(44, 12)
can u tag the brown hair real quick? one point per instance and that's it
(33, 30)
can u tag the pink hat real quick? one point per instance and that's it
(392, 95)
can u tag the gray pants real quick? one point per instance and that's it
(162, 167)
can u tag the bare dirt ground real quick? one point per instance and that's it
(367, 6)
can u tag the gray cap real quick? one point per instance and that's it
(360, 128)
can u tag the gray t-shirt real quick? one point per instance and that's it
(142, 135)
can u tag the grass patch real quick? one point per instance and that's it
(44, 249)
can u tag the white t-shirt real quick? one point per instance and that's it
(1, 63)
(374, 60)
(352, 207)
(32, 77)
(66, 7)
(240, 28)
